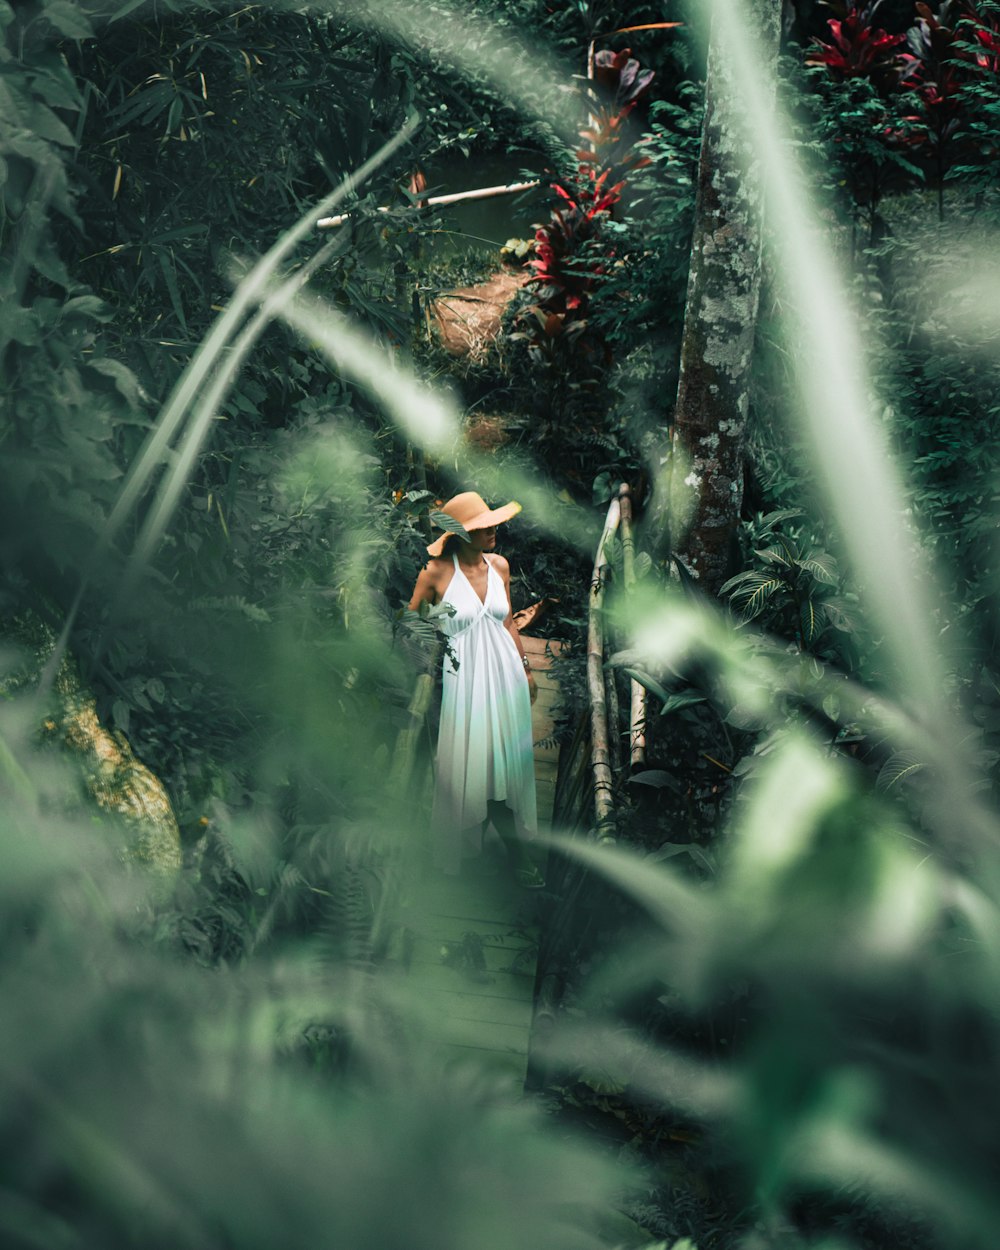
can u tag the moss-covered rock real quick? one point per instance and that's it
(111, 776)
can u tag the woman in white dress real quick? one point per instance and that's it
(485, 763)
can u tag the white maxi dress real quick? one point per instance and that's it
(485, 746)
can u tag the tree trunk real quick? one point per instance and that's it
(705, 487)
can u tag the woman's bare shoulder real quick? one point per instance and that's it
(432, 581)
(437, 572)
(499, 562)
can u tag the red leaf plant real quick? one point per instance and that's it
(949, 50)
(859, 49)
(570, 254)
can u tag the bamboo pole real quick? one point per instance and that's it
(455, 197)
(600, 760)
(613, 704)
(637, 710)
(406, 742)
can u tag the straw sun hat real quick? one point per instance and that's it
(471, 512)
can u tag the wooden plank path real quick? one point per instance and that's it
(473, 940)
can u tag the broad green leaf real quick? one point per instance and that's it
(648, 682)
(808, 621)
(775, 555)
(744, 583)
(124, 379)
(52, 81)
(69, 19)
(166, 264)
(44, 123)
(675, 702)
(771, 519)
(787, 547)
(756, 602)
(658, 778)
(823, 567)
(128, 7)
(444, 522)
(86, 306)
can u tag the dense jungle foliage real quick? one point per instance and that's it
(224, 432)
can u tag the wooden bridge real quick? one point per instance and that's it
(472, 941)
(471, 958)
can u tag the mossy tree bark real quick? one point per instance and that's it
(704, 491)
(112, 778)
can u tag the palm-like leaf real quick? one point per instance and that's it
(898, 768)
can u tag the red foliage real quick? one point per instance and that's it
(948, 50)
(568, 257)
(859, 49)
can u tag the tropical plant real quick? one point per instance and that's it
(857, 48)
(792, 587)
(571, 251)
(858, 75)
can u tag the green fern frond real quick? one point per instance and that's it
(231, 603)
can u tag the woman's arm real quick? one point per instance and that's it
(425, 591)
(503, 568)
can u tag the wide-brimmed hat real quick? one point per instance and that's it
(471, 512)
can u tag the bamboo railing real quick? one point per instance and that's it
(637, 702)
(601, 725)
(591, 769)
(404, 756)
(593, 763)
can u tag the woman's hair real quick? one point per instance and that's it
(445, 539)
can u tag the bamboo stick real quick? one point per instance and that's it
(637, 709)
(455, 197)
(406, 742)
(599, 754)
(613, 704)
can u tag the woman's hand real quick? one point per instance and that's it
(532, 685)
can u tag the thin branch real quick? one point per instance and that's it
(455, 197)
